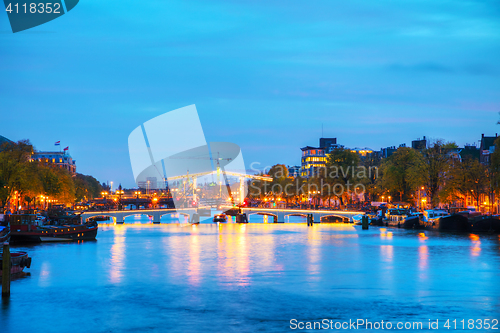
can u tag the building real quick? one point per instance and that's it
(60, 159)
(362, 151)
(419, 144)
(328, 144)
(313, 158)
(386, 152)
(151, 183)
(469, 151)
(487, 148)
(294, 171)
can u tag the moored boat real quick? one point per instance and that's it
(430, 218)
(485, 223)
(19, 260)
(4, 234)
(26, 228)
(220, 218)
(356, 219)
(412, 222)
(396, 217)
(435, 219)
(454, 222)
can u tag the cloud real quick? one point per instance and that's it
(437, 68)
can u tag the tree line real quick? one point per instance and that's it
(438, 173)
(26, 180)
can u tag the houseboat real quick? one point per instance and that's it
(435, 219)
(19, 260)
(485, 223)
(396, 217)
(27, 228)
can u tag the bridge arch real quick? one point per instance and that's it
(287, 216)
(275, 216)
(150, 216)
(175, 212)
(334, 218)
(93, 217)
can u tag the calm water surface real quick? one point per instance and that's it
(140, 277)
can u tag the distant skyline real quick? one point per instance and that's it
(264, 75)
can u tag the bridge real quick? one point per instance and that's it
(155, 214)
(279, 215)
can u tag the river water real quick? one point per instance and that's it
(175, 277)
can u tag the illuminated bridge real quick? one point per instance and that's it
(278, 215)
(119, 216)
(282, 215)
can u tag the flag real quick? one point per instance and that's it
(58, 143)
(66, 148)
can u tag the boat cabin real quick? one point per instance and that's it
(434, 214)
(22, 222)
(397, 214)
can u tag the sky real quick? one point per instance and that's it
(266, 75)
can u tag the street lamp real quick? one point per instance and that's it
(137, 193)
(120, 193)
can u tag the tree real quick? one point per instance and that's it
(371, 163)
(465, 178)
(435, 167)
(86, 187)
(402, 172)
(495, 168)
(14, 159)
(342, 166)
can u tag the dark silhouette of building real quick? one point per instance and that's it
(487, 148)
(327, 142)
(419, 144)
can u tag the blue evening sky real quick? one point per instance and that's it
(263, 74)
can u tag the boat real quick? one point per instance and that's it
(435, 219)
(27, 228)
(485, 223)
(454, 222)
(430, 218)
(19, 260)
(357, 219)
(412, 221)
(220, 218)
(4, 234)
(396, 217)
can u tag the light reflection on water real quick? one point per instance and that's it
(237, 277)
(117, 254)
